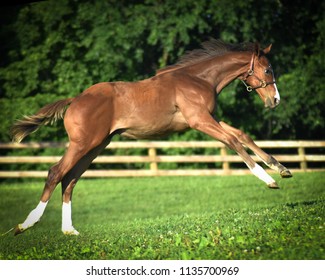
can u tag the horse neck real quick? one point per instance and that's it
(222, 70)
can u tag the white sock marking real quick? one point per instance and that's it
(67, 226)
(260, 173)
(66, 216)
(35, 215)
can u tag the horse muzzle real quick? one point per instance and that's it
(271, 102)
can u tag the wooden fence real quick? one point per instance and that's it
(299, 155)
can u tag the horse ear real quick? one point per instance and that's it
(257, 48)
(267, 50)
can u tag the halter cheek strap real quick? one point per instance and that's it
(250, 72)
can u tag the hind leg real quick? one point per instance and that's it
(68, 183)
(87, 122)
(55, 175)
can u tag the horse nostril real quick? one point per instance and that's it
(276, 101)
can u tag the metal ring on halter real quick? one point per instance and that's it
(249, 88)
(250, 72)
(263, 84)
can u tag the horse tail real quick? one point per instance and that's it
(48, 114)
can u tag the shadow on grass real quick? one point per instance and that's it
(304, 203)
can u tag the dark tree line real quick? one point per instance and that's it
(56, 49)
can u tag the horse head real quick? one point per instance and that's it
(260, 77)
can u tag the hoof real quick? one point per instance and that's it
(273, 185)
(285, 173)
(72, 231)
(19, 229)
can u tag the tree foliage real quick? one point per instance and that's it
(56, 49)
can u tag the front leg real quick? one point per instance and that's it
(269, 160)
(204, 122)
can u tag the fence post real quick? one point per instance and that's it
(153, 160)
(303, 161)
(225, 164)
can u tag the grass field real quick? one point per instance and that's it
(234, 217)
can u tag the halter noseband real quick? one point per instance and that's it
(250, 72)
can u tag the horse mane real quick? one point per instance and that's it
(210, 49)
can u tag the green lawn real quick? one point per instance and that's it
(232, 217)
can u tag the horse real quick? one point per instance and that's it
(178, 97)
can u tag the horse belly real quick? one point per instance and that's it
(157, 127)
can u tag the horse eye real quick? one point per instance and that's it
(267, 71)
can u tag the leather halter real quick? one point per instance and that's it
(250, 72)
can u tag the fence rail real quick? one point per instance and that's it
(302, 157)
